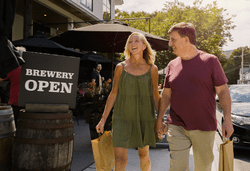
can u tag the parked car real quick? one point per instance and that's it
(240, 113)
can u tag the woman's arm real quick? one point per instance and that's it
(111, 99)
(154, 78)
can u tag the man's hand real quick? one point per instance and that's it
(160, 128)
(227, 129)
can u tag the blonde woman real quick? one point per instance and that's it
(135, 97)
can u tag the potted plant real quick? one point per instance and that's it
(99, 98)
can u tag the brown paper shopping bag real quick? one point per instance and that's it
(226, 156)
(103, 152)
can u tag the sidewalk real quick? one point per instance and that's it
(83, 158)
(82, 155)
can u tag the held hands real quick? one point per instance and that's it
(227, 129)
(160, 128)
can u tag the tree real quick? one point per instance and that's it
(163, 58)
(233, 64)
(212, 26)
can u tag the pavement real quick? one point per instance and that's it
(83, 159)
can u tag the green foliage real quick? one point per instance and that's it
(122, 57)
(233, 64)
(99, 99)
(212, 25)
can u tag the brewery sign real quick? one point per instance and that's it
(48, 79)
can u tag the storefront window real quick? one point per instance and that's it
(87, 3)
(106, 9)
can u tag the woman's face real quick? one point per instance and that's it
(135, 45)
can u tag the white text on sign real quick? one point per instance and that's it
(50, 86)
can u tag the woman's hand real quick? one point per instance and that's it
(100, 127)
(160, 128)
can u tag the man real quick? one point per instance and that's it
(96, 76)
(191, 83)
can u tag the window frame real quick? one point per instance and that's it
(85, 4)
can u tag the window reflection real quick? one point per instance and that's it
(87, 3)
(106, 9)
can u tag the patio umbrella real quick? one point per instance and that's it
(88, 64)
(40, 43)
(105, 38)
(9, 57)
(94, 58)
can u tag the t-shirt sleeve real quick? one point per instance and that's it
(218, 75)
(166, 82)
(93, 75)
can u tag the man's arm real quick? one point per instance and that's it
(164, 104)
(93, 77)
(225, 102)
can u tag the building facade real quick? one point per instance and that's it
(245, 78)
(53, 17)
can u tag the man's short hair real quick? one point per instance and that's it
(185, 29)
(97, 64)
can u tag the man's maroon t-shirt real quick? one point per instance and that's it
(192, 83)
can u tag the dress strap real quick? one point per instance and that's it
(150, 69)
(123, 65)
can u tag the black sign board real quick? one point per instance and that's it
(48, 79)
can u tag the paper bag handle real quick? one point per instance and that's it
(226, 139)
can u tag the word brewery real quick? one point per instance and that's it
(50, 86)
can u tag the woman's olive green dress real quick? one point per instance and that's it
(134, 112)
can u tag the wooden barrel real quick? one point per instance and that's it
(44, 141)
(7, 132)
(5, 104)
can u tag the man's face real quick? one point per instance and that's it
(99, 67)
(177, 43)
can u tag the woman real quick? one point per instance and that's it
(135, 97)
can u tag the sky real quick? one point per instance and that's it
(240, 8)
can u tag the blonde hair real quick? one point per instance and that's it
(148, 53)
